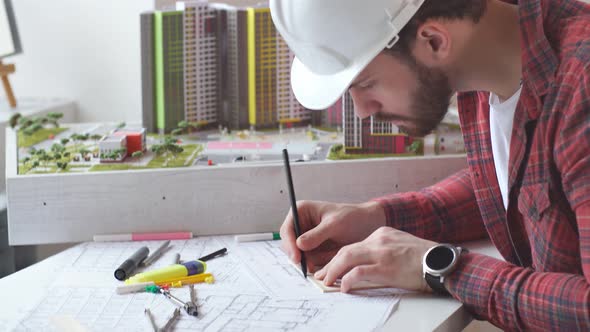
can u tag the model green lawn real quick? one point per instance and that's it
(51, 168)
(337, 153)
(165, 160)
(25, 141)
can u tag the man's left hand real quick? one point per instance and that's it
(387, 257)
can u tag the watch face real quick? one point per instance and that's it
(439, 258)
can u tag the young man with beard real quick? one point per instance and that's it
(522, 72)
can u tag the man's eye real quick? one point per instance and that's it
(366, 85)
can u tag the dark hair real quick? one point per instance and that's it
(437, 9)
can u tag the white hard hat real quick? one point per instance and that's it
(334, 40)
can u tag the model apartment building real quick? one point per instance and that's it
(369, 136)
(222, 65)
(215, 64)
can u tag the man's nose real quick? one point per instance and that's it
(364, 107)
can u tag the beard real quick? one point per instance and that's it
(429, 102)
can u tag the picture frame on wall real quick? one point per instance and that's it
(9, 39)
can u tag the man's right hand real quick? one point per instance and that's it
(327, 227)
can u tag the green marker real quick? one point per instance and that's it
(258, 237)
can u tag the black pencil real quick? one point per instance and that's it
(294, 209)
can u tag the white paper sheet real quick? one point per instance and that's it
(256, 289)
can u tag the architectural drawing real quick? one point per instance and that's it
(84, 291)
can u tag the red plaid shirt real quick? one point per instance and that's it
(544, 284)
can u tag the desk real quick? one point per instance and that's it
(420, 312)
(416, 312)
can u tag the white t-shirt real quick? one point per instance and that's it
(501, 121)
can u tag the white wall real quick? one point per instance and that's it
(87, 50)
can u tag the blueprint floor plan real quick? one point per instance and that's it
(255, 289)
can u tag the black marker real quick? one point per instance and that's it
(213, 255)
(129, 265)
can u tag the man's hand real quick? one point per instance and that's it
(327, 227)
(387, 257)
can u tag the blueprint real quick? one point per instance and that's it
(255, 289)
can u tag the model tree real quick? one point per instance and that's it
(185, 127)
(96, 137)
(169, 147)
(84, 152)
(29, 125)
(53, 117)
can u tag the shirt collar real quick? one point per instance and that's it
(539, 60)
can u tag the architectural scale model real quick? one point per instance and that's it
(216, 65)
(216, 90)
(45, 146)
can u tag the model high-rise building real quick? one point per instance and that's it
(256, 89)
(331, 117)
(352, 124)
(369, 136)
(201, 82)
(147, 72)
(262, 68)
(233, 75)
(169, 69)
(288, 108)
(216, 64)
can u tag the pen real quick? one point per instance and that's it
(294, 209)
(156, 253)
(257, 237)
(212, 255)
(169, 272)
(131, 263)
(143, 236)
(176, 259)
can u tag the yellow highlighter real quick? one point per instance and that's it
(179, 282)
(175, 271)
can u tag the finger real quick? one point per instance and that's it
(357, 275)
(329, 249)
(329, 257)
(288, 238)
(313, 238)
(317, 259)
(346, 259)
(320, 274)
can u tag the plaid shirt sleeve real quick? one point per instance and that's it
(444, 212)
(517, 298)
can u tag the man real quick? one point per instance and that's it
(523, 77)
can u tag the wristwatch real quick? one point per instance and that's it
(437, 263)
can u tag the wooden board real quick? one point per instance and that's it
(363, 285)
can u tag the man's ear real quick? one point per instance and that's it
(433, 43)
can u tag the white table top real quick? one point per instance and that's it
(424, 312)
(416, 312)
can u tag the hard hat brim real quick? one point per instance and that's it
(318, 92)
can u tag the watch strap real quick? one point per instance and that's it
(436, 284)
